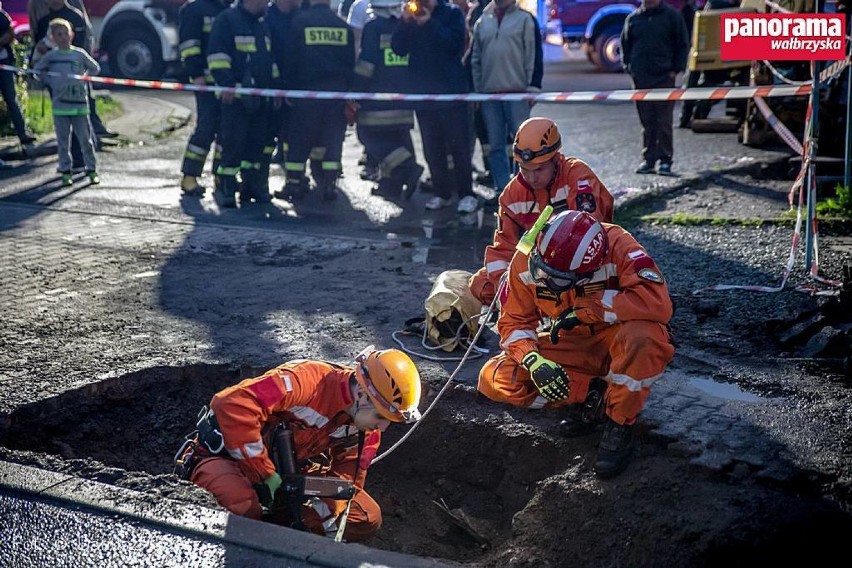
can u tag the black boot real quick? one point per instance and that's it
(255, 187)
(615, 449)
(584, 418)
(295, 189)
(226, 194)
(328, 185)
(412, 181)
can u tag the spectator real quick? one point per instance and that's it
(322, 60)
(69, 97)
(239, 55)
(433, 37)
(477, 125)
(654, 49)
(279, 20)
(37, 9)
(608, 341)
(503, 60)
(385, 127)
(195, 19)
(7, 79)
(358, 17)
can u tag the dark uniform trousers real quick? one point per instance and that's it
(321, 127)
(386, 135)
(446, 146)
(208, 118)
(247, 135)
(657, 123)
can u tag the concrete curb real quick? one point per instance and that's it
(199, 522)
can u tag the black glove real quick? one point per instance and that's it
(549, 378)
(266, 491)
(566, 320)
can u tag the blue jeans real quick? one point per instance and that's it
(502, 119)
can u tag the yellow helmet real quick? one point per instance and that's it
(391, 382)
(537, 141)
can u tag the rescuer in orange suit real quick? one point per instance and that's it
(609, 307)
(546, 177)
(325, 406)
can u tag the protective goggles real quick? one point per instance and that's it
(526, 154)
(408, 416)
(555, 280)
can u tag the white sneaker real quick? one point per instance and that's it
(438, 203)
(468, 204)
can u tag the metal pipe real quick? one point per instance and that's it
(847, 164)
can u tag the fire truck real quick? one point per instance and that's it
(137, 39)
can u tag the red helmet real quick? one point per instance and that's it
(568, 250)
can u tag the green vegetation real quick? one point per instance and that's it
(38, 110)
(690, 219)
(35, 103)
(838, 206)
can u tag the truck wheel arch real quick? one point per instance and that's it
(133, 46)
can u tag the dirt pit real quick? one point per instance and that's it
(516, 493)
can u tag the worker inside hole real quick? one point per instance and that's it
(331, 417)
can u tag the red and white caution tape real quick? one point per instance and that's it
(625, 95)
(778, 126)
(808, 151)
(833, 71)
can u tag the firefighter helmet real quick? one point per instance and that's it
(391, 382)
(537, 141)
(568, 251)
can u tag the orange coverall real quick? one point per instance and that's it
(575, 187)
(624, 340)
(311, 397)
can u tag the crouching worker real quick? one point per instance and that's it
(546, 177)
(331, 417)
(607, 343)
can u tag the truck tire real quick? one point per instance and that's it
(135, 54)
(606, 54)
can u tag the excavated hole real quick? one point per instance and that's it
(479, 469)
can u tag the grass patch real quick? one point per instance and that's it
(690, 219)
(38, 112)
(838, 206)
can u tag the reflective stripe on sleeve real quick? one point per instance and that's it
(247, 451)
(521, 207)
(496, 265)
(518, 335)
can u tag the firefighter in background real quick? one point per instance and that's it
(385, 127)
(239, 55)
(320, 57)
(279, 19)
(195, 20)
(546, 177)
(609, 307)
(325, 406)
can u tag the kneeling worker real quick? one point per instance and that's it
(333, 417)
(546, 177)
(609, 306)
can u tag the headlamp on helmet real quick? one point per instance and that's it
(537, 141)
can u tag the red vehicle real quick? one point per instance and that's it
(596, 25)
(138, 38)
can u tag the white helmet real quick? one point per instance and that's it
(385, 8)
